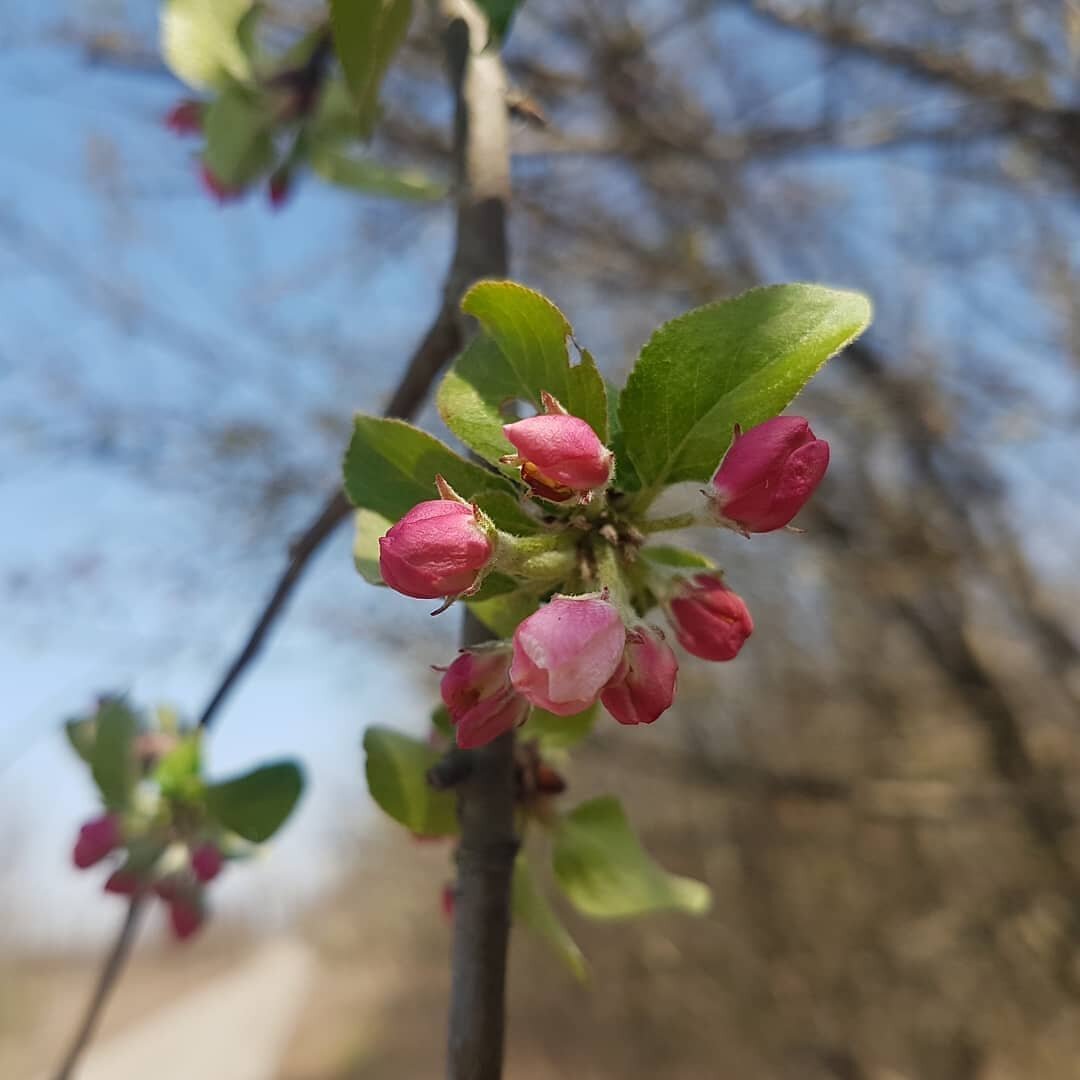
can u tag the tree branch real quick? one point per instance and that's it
(486, 795)
(107, 979)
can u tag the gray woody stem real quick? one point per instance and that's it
(486, 795)
(482, 161)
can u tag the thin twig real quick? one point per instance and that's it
(107, 979)
(438, 346)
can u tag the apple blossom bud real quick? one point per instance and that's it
(97, 838)
(206, 862)
(566, 652)
(477, 692)
(439, 548)
(711, 622)
(186, 916)
(767, 475)
(123, 883)
(217, 187)
(279, 188)
(185, 117)
(644, 685)
(560, 455)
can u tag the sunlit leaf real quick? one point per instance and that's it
(256, 804)
(396, 767)
(200, 41)
(739, 361)
(532, 909)
(606, 874)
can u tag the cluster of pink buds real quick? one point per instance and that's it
(582, 647)
(180, 885)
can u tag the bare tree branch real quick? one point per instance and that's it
(110, 973)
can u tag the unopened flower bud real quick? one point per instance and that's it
(217, 187)
(768, 474)
(279, 188)
(477, 692)
(186, 916)
(439, 548)
(560, 455)
(206, 862)
(711, 621)
(185, 118)
(123, 883)
(566, 652)
(643, 686)
(97, 838)
(446, 902)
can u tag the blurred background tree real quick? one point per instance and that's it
(883, 790)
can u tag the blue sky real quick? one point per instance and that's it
(135, 316)
(138, 320)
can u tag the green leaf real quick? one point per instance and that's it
(396, 770)
(531, 333)
(113, 761)
(676, 557)
(474, 396)
(558, 732)
(200, 42)
(507, 512)
(531, 907)
(606, 874)
(367, 34)
(440, 722)
(238, 148)
(369, 528)
(500, 13)
(178, 773)
(501, 614)
(390, 466)
(338, 167)
(81, 735)
(739, 361)
(256, 804)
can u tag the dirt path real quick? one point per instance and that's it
(233, 1028)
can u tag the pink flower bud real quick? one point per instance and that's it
(710, 621)
(768, 474)
(186, 916)
(439, 548)
(477, 692)
(216, 186)
(206, 862)
(560, 455)
(644, 685)
(566, 652)
(446, 902)
(123, 883)
(97, 838)
(185, 118)
(279, 189)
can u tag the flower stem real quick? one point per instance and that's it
(676, 521)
